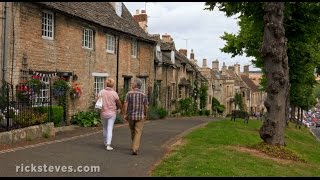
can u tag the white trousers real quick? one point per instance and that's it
(107, 129)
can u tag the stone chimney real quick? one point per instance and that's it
(237, 69)
(192, 55)
(166, 38)
(204, 63)
(246, 70)
(215, 65)
(231, 68)
(141, 19)
(184, 52)
(224, 67)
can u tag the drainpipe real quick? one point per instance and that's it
(117, 73)
(5, 47)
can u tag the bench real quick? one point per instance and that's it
(240, 114)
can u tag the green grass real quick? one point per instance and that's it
(214, 151)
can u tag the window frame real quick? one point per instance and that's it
(112, 51)
(42, 98)
(86, 38)
(43, 30)
(96, 87)
(134, 48)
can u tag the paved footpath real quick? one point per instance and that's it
(89, 151)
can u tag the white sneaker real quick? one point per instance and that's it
(109, 148)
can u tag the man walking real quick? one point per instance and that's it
(135, 111)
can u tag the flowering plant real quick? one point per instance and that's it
(75, 90)
(60, 86)
(35, 84)
(23, 93)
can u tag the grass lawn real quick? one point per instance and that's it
(228, 148)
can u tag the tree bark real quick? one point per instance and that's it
(275, 59)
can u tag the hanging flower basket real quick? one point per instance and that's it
(60, 87)
(35, 84)
(75, 90)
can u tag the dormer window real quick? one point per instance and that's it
(118, 7)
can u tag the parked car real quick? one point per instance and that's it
(317, 124)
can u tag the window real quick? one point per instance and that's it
(111, 43)
(180, 92)
(47, 25)
(126, 85)
(98, 84)
(87, 39)
(143, 87)
(43, 97)
(134, 48)
(118, 7)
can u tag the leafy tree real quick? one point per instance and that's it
(216, 106)
(239, 101)
(262, 36)
(203, 95)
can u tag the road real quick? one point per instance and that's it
(90, 151)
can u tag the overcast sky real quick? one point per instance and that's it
(191, 27)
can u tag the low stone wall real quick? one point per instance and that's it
(28, 133)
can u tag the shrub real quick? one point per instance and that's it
(162, 113)
(119, 119)
(155, 112)
(56, 115)
(207, 112)
(28, 117)
(86, 119)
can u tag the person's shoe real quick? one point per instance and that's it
(109, 148)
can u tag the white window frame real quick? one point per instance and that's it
(99, 84)
(111, 44)
(42, 98)
(47, 25)
(118, 8)
(87, 38)
(134, 48)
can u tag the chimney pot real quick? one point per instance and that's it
(137, 11)
(143, 11)
(204, 63)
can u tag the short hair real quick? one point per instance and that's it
(110, 82)
(138, 83)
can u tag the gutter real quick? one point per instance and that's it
(117, 71)
(5, 46)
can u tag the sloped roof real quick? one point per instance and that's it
(166, 58)
(249, 83)
(101, 13)
(167, 46)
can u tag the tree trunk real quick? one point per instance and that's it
(298, 117)
(274, 54)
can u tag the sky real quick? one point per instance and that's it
(191, 27)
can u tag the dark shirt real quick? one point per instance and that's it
(136, 101)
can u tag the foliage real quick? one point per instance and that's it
(86, 119)
(56, 114)
(239, 101)
(60, 87)
(216, 106)
(187, 106)
(75, 91)
(203, 95)
(302, 25)
(28, 117)
(119, 119)
(225, 148)
(155, 112)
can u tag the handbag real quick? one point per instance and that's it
(99, 103)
